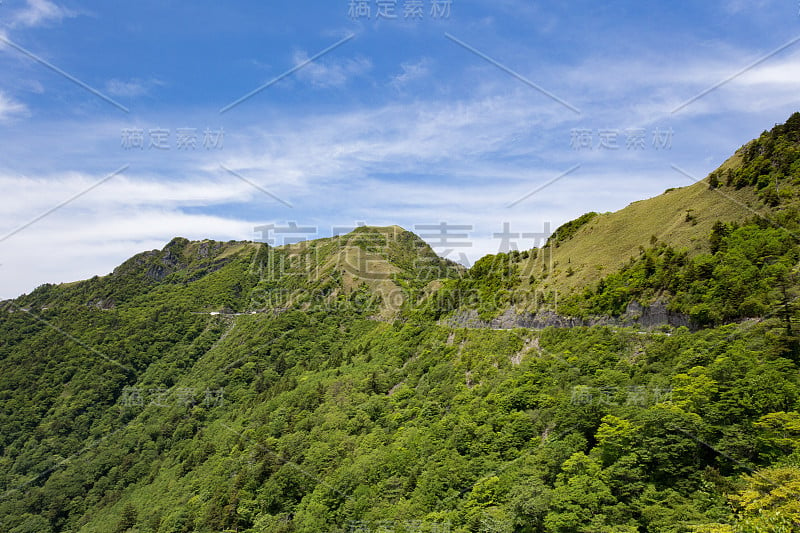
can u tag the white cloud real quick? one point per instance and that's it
(784, 72)
(31, 196)
(10, 108)
(330, 73)
(98, 230)
(737, 6)
(448, 138)
(411, 72)
(131, 88)
(64, 247)
(38, 13)
(707, 83)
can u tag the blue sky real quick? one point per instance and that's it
(452, 117)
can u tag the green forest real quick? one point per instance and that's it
(327, 387)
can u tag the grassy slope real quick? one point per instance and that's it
(609, 240)
(390, 262)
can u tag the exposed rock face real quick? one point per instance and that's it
(645, 317)
(158, 272)
(105, 304)
(654, 315)
(158, 264)
(203, 250)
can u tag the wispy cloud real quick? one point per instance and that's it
(70, 246)
(663, 83)
(132, 88)
(780, 73)
(448, 138)
(128, 191)
(10, 108)
(38, 13)
(331, 72)
(411, 72)
(737, 6)
(123, 216)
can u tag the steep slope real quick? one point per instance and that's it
(682, 218)
(215, 268)
(744, 218)
(390, 264)
(760, 181)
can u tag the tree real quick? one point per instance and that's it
(769, 502)
(128, 518)
(780, 430)
(580, 498)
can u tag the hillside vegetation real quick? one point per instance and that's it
(329, 386)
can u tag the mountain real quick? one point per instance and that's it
(716, 251)
(760, 179)
(683, 218)
(639, 373)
